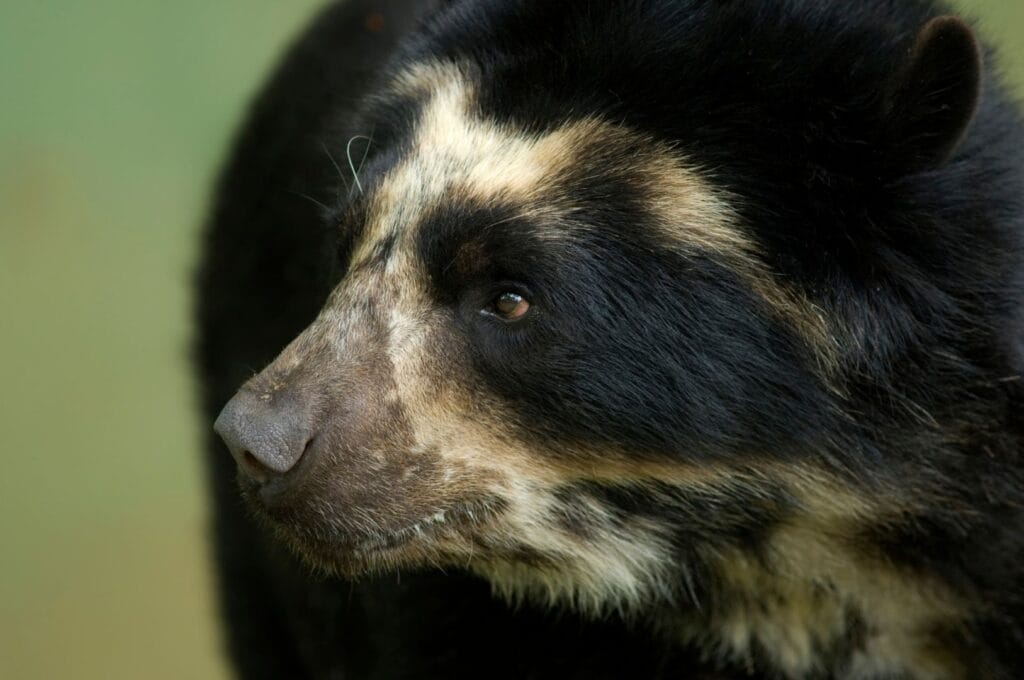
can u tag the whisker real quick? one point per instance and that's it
(337, 167)
(366, 151)
(351, 165)
(311, 200)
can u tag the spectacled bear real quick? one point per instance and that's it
(621, 339)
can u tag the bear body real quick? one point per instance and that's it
(637, 338)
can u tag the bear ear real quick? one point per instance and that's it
(933, 97)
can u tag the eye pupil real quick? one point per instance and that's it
(510, 306)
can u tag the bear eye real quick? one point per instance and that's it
(508, 306)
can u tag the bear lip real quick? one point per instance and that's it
(365, 552)
(457, 517)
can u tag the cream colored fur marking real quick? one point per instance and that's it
(798, 605)
(458, 153)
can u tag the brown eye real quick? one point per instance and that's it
(509, 306)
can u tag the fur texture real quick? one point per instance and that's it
(762, 416)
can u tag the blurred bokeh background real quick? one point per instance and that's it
(113, 118)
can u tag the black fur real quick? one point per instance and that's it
(882, 177)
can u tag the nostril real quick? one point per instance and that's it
(252, 460)
(309, 443)
(253, 467)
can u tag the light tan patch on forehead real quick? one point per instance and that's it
(693, 214)
(459, 155)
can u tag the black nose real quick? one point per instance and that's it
(266, 433)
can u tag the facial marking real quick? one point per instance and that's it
(443, 459)
(457, 155)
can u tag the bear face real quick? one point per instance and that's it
(638, 353)
(432, 407)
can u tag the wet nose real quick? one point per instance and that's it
(266, 433)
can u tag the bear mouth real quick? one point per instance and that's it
(444, 535)
(454, 519)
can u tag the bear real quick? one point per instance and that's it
(620, 339)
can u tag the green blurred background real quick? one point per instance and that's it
(113, 118)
